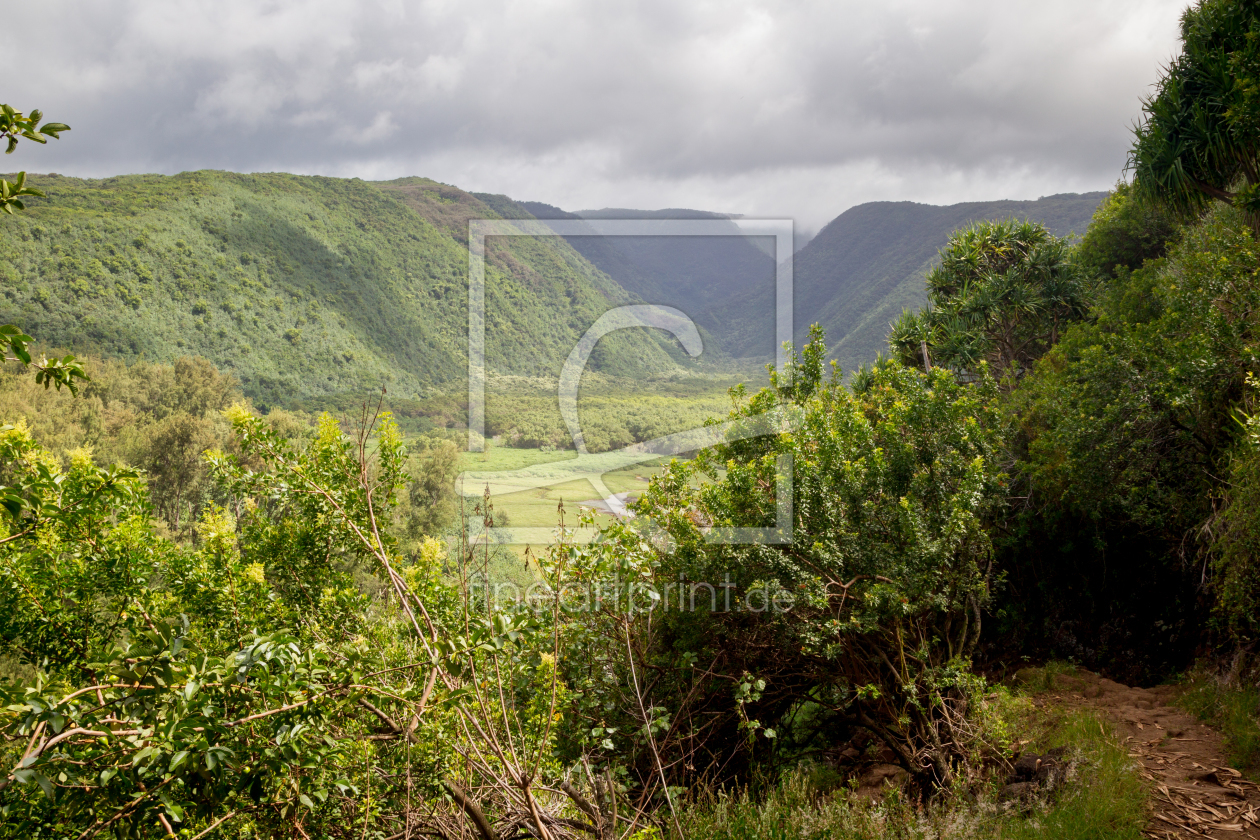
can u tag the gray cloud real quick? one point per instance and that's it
(783, 108)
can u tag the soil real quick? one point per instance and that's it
(1195, 793)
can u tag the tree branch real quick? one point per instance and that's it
(472, 809)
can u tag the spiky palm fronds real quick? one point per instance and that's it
(1199, 140)
(1000, 295)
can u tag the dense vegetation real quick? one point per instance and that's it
(299, 286)
(219, 620)
(867, 266)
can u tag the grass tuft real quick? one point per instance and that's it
(1234, 710)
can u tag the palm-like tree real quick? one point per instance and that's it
(1001, 294)
(1200, 138)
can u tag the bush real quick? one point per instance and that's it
(1236, 558)
(864, 617)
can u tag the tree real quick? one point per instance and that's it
(76, 552)
(1124, 435)
(1001, 295)
(1200, 138)
(13, 342)
(1126, 231)
(432, 501)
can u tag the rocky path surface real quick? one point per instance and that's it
(1195, 793)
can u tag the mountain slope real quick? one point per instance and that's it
(866, 265)
(854, 277)
(301, 286)
(691, 273)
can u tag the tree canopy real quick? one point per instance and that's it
(1001, 295)
(1199, 140)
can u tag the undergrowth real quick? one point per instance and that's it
(1102, 799)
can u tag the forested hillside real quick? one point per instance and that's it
(866, 266)
(300, 286)
(696, 274)
(854, 278)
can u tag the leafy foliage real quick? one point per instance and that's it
(1002, 294)
(1198, 140)
(1125, 429)
(13, 342)
(78, 553)
(1125, 232)
(154, 418)
(15, 125)
(866, 614)
(1237, 538)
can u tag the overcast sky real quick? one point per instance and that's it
(780, 109)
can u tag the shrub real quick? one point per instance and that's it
(877, 593)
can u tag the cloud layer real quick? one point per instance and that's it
(794, 109)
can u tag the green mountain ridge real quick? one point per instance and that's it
(854, 277)
(868, 264)
(314, 290)
(689, 273)
(302, 286)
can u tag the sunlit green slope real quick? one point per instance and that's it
(301, 286)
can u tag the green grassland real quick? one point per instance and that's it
(525, 429)
(539, 508)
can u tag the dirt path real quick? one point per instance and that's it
(1195, 792)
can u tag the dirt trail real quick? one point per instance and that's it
(1195, 793)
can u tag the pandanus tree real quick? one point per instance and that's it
(1199, 140)
(1002, 293)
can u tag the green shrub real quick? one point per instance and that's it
(1236, 558)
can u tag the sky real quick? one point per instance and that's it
(770, 109)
